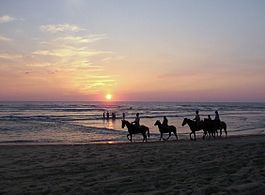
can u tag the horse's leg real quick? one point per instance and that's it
(169, 134)
(225, 131)
(210, 134)
(145, 137)
(203, 137)
(190, 136)
(129, 136)
(175, 133)
(161, 136)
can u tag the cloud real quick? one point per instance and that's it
(6, 19)
(55, 28)
(72, 57)
(95, 82)
(81, 39)
(4, 39)
(73, 41)
(10, 56)
(70, 52)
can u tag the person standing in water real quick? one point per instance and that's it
(107, 115)
(123, 116)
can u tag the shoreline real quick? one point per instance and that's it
(227, 166)
(138, 141)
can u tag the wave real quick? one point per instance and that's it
(82, 122)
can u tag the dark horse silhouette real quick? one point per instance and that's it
(166, 129)
(222, 126)
(208, 126)
(193, 127)
(212, 127)
(132, 129)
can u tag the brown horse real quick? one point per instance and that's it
(166, 129)
(132, 129)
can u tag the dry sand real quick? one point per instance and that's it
(235, 165)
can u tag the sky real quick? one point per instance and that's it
(135, 50)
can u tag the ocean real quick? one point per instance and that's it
(82, 122)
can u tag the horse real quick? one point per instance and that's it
(208, 126)
(132, 129)
(212, 127)
(222, 126)
(166, 129)
(193, 127)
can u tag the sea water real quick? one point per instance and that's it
(83, 122)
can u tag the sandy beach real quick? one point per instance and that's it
(225, 166)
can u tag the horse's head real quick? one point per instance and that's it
(157, 123)
(123, 123)
(184, 121)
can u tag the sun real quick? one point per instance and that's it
(108, 96)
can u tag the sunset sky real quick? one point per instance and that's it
(151, 50)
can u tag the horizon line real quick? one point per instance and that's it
(153, 101)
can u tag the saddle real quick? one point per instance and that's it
(166, 127)
(136, 127)
(199, 124)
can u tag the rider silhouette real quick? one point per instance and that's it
(136, 122)
(217, 118)
(165, 121)
(197, 118)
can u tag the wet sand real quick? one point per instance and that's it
(233, 165)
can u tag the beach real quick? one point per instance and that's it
(232, 165)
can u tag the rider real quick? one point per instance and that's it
(136, 122)
(217, 117)
(197, 118)
(165, 122)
